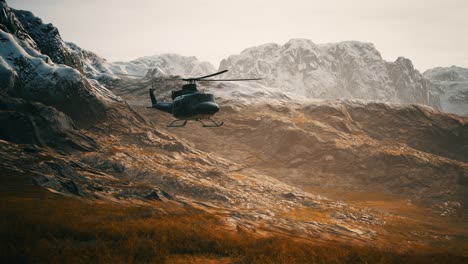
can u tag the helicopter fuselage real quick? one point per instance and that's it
(194, 105)
(189, 106)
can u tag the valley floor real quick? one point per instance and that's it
(194, 195)
(38, 226)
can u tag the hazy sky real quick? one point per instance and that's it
(429, 32)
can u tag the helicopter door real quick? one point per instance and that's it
(180, 108)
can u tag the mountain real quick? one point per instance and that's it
(46, 99)
(165, 64)
(36, 65)
(68, 134)
(98, 68)
(453, 81)
(339, 70)
(94, 66)
(88, 176)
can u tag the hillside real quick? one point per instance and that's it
(410, 151)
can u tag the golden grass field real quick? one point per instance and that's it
(38, 226)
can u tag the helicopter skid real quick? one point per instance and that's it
(214, 124)
(177, 125)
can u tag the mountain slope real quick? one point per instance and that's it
(47, 39)
(340, 70)
(28, 73)
(453, 81)
(351, 146)
(94, 66)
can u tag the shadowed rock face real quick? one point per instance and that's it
(34, 123)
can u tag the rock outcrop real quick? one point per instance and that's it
(34, 123)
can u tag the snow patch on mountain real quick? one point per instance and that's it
(47, 39)
(454, 74)
(453, 81)
(94, 66)
(36, 65)
(339, 70)
(165, 64)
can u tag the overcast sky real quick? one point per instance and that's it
(430, 32)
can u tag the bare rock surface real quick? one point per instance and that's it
(34, 123)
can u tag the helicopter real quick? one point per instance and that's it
(189, 103)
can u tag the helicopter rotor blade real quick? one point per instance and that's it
(203, 77)
(133, 75)
(231, 80)
(151, 78)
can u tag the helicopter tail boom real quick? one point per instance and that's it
(153, 98)
(165, 107)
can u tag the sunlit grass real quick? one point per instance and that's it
(37, 226)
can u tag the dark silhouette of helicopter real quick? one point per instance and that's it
(189, 103)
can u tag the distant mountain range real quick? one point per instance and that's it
(301, 69)
(339, 70)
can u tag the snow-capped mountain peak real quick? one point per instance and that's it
(453, 82)
(165, 64)
(348, 69)
(37, 65)
(452, 73)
